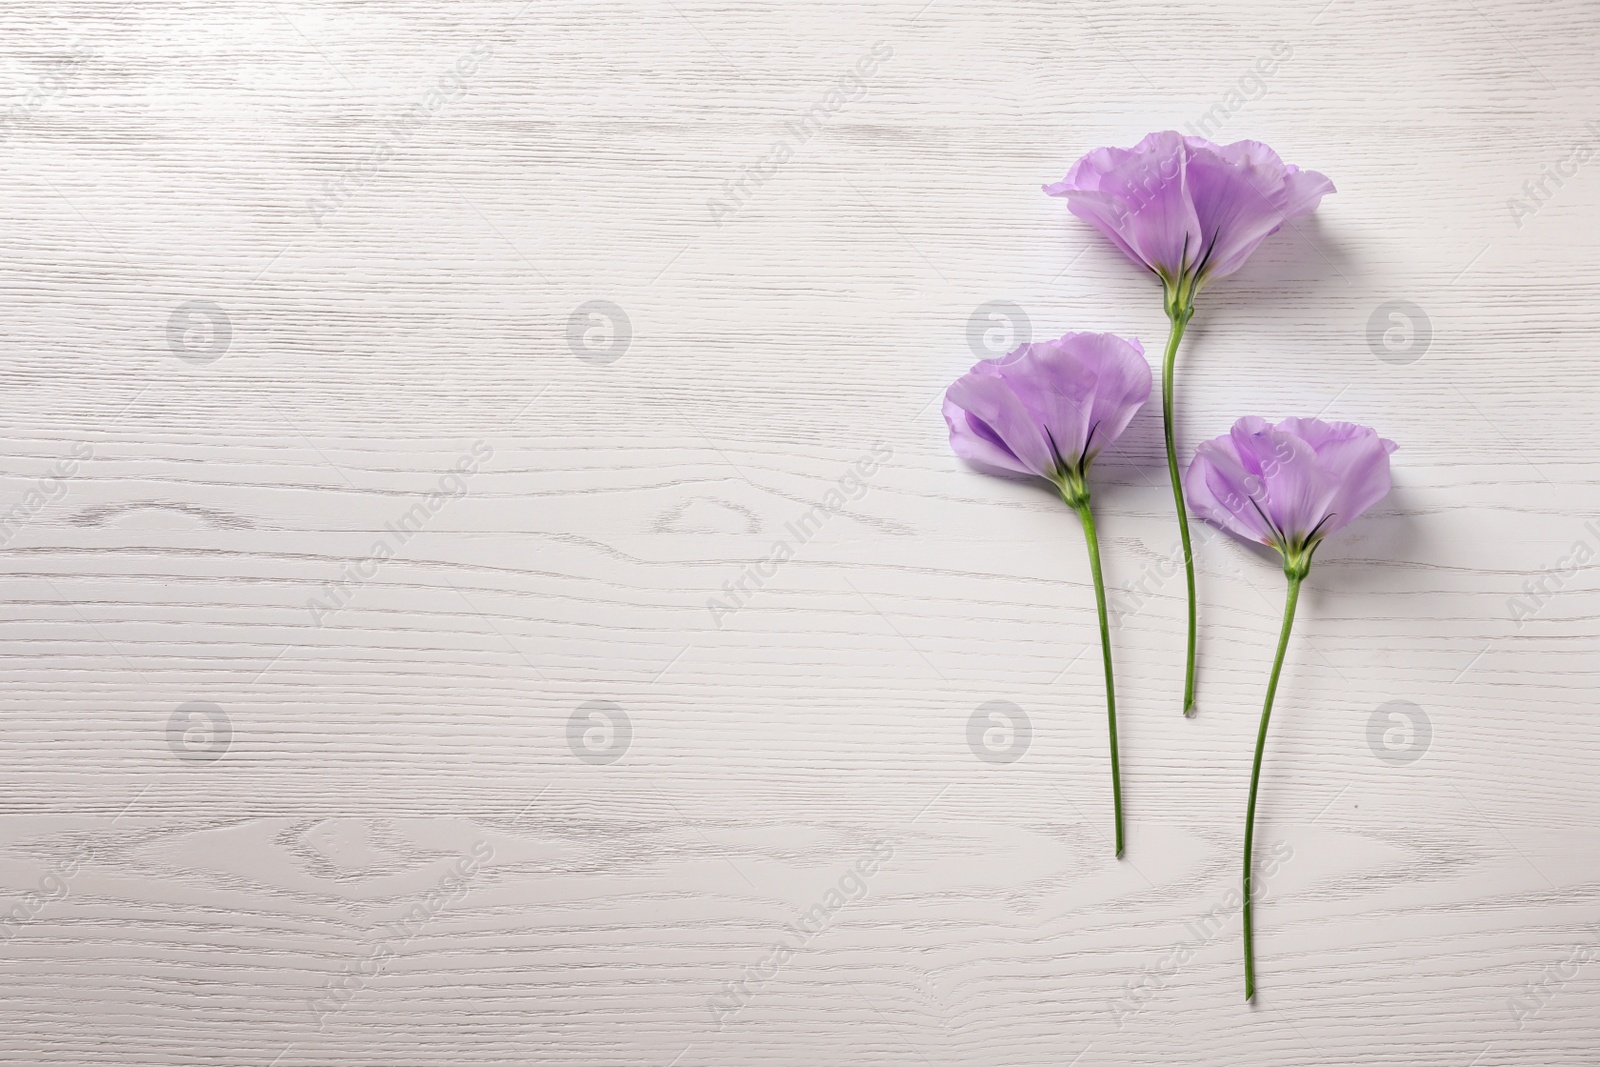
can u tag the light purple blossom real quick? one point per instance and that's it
(1190, 211)
(1049, 407)
(1184, 206)
(1289, 485)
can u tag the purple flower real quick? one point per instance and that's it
(1289, 485)
(1184, 206)
(1190, 211)
(1049, 407)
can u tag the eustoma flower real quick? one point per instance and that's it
(1048, 409)
(1190, 211)
(1287, 486)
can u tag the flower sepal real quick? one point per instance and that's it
(1297, 560)
(1073, 487)
(1178, 295)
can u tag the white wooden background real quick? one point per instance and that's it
(220, 807)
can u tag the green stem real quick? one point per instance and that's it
(1087, 516)
(1255, 780)
(1179, 311)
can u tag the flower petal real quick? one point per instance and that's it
(1058, 389)
(1295, 491)
(1215, 485)
(1158, 220)
(1137, 198)
(1084, 388)
(995, 410)
(1122, 384)
(976, 442)
(1237, 198)
(1356, 457)
(1303, 191)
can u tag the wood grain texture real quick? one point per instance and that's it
(299, 763)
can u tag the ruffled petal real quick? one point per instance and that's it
(1354, 456)
(1286, 481)
(1215, 486)
(1158, 219)
(1085, 388)
(1303, 191)
(1237, 197)
(997, 414)
(976, 442)
(1122, 384)
(1105, 213)
(1138, 199)
(1058, 389)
